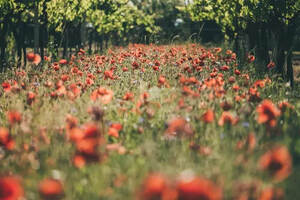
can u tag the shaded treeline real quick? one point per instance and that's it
(258, 28)
(56, 28)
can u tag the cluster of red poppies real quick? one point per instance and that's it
(11, 189)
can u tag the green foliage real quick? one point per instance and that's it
(61, 12)
(231, 15)
(249, 24)
(235, 15)
(107, 16)
(119, 17)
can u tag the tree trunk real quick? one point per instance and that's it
(106, 41)
(17, 41)
(280, 59)
(278, 51)
(291, 33)
(253, 32)
(258, 41)
(3, 44)
(82, 35)
(64, 48)
(24, 55)
(239, 45)
(262, 48)
(22, 43)
(65, 43)
(36, 28)
(101, 43)
(290, 71)
(19, 52)
(44, 31)
(42, 42)
(90, 42)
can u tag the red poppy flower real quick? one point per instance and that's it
(89, 81)
(156, 63)
(259, 83)
(224, 68)
(51, 189)
(179, 127)
(231, 79)
(135, 65)
(251, 141)
(155, 68)
(113, 132)
(198, 189)
(109, 74)
(37, 59)
(34, 58)
(87, 146)
(63, 62)
(254, 95)
(128, 96)
(87, 141)
(64, 77)
(6, 139)
(13, 117)
(117, 126)
(267, 113)
(153, 187)
(75, 90)
(48, 84)
(79, 161)
(208, 116)
(226, 117)
(233, 56)
(237, 72)
(226, 106)
(161, 80)
(91, 130)
(10, 188)
(218, 50)
(235, 88)
(30, 57)
(277, 162)
(228, 52)
(272, 194)
(103, 94)
(271, 65)
(284, 105)
(56, 66)
(30, 97)
(74, 70)
(46, 58)
(6, 86)
(251, 58)
(82, 51)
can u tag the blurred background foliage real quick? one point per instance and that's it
(57, 27)
(257, 27)
(267, 29)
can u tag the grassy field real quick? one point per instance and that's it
(175, 122)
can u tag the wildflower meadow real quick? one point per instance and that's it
(149, 100)
(148, 122)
